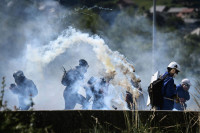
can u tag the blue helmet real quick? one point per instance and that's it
(83, 62)
(18, 74)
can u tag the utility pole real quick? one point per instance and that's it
(154, 37)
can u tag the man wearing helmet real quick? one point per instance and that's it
(72, 79)
(96, 88)
(25, 89)
(169, 89)
(183, 94)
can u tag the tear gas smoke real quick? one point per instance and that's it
(114, 64)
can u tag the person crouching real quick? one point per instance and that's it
(183, 94)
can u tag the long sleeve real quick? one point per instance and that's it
(15, 89)
(169, 88)
(182, 93)
(187, 97)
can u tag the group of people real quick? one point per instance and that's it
(95, 88)
(174, 97)
(73, 79)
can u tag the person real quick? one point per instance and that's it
(96, 89)
(90, 87)
(129, 101)
(73, 79)
(169, 89)
(25, 89)
(138, 102)
(183, 94)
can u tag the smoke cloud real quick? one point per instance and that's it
(136, 45)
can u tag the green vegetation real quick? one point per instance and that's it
(197, 95)
(89, 20)
(3, 104)
(190, 52)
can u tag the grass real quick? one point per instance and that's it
(196, 96)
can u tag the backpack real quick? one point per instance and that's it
(155, 92)
(69, 77)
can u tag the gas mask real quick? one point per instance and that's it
(19, 77)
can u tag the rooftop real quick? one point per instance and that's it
(176, 9)
(159, 8)
(196, 31)
(187, 10)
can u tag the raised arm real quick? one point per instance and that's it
(14, 88)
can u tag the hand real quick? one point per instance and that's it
(176, 98)
(182, 100)
(12, 86)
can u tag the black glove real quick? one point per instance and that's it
(12, 86)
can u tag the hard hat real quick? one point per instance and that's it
(83, 62)
(18, 74)
(186, 81)
(174, 65)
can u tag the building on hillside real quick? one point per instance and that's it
(182, 12)
(191, 21)
(159, 9)
(174, 11)
(187, 13)
(196, 32)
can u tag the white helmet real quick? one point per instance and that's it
(173, 64)
(186, 81)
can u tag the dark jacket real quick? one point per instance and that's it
(72, 80)
(25, 90)
(181, 94)
(72, 76)
(168, 92)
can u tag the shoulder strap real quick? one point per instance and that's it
(165, 77)
(167, 82)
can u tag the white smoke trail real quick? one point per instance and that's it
(114, 63)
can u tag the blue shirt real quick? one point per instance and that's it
(168, 92)
(181, 94)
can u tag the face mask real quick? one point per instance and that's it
(186, 86)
